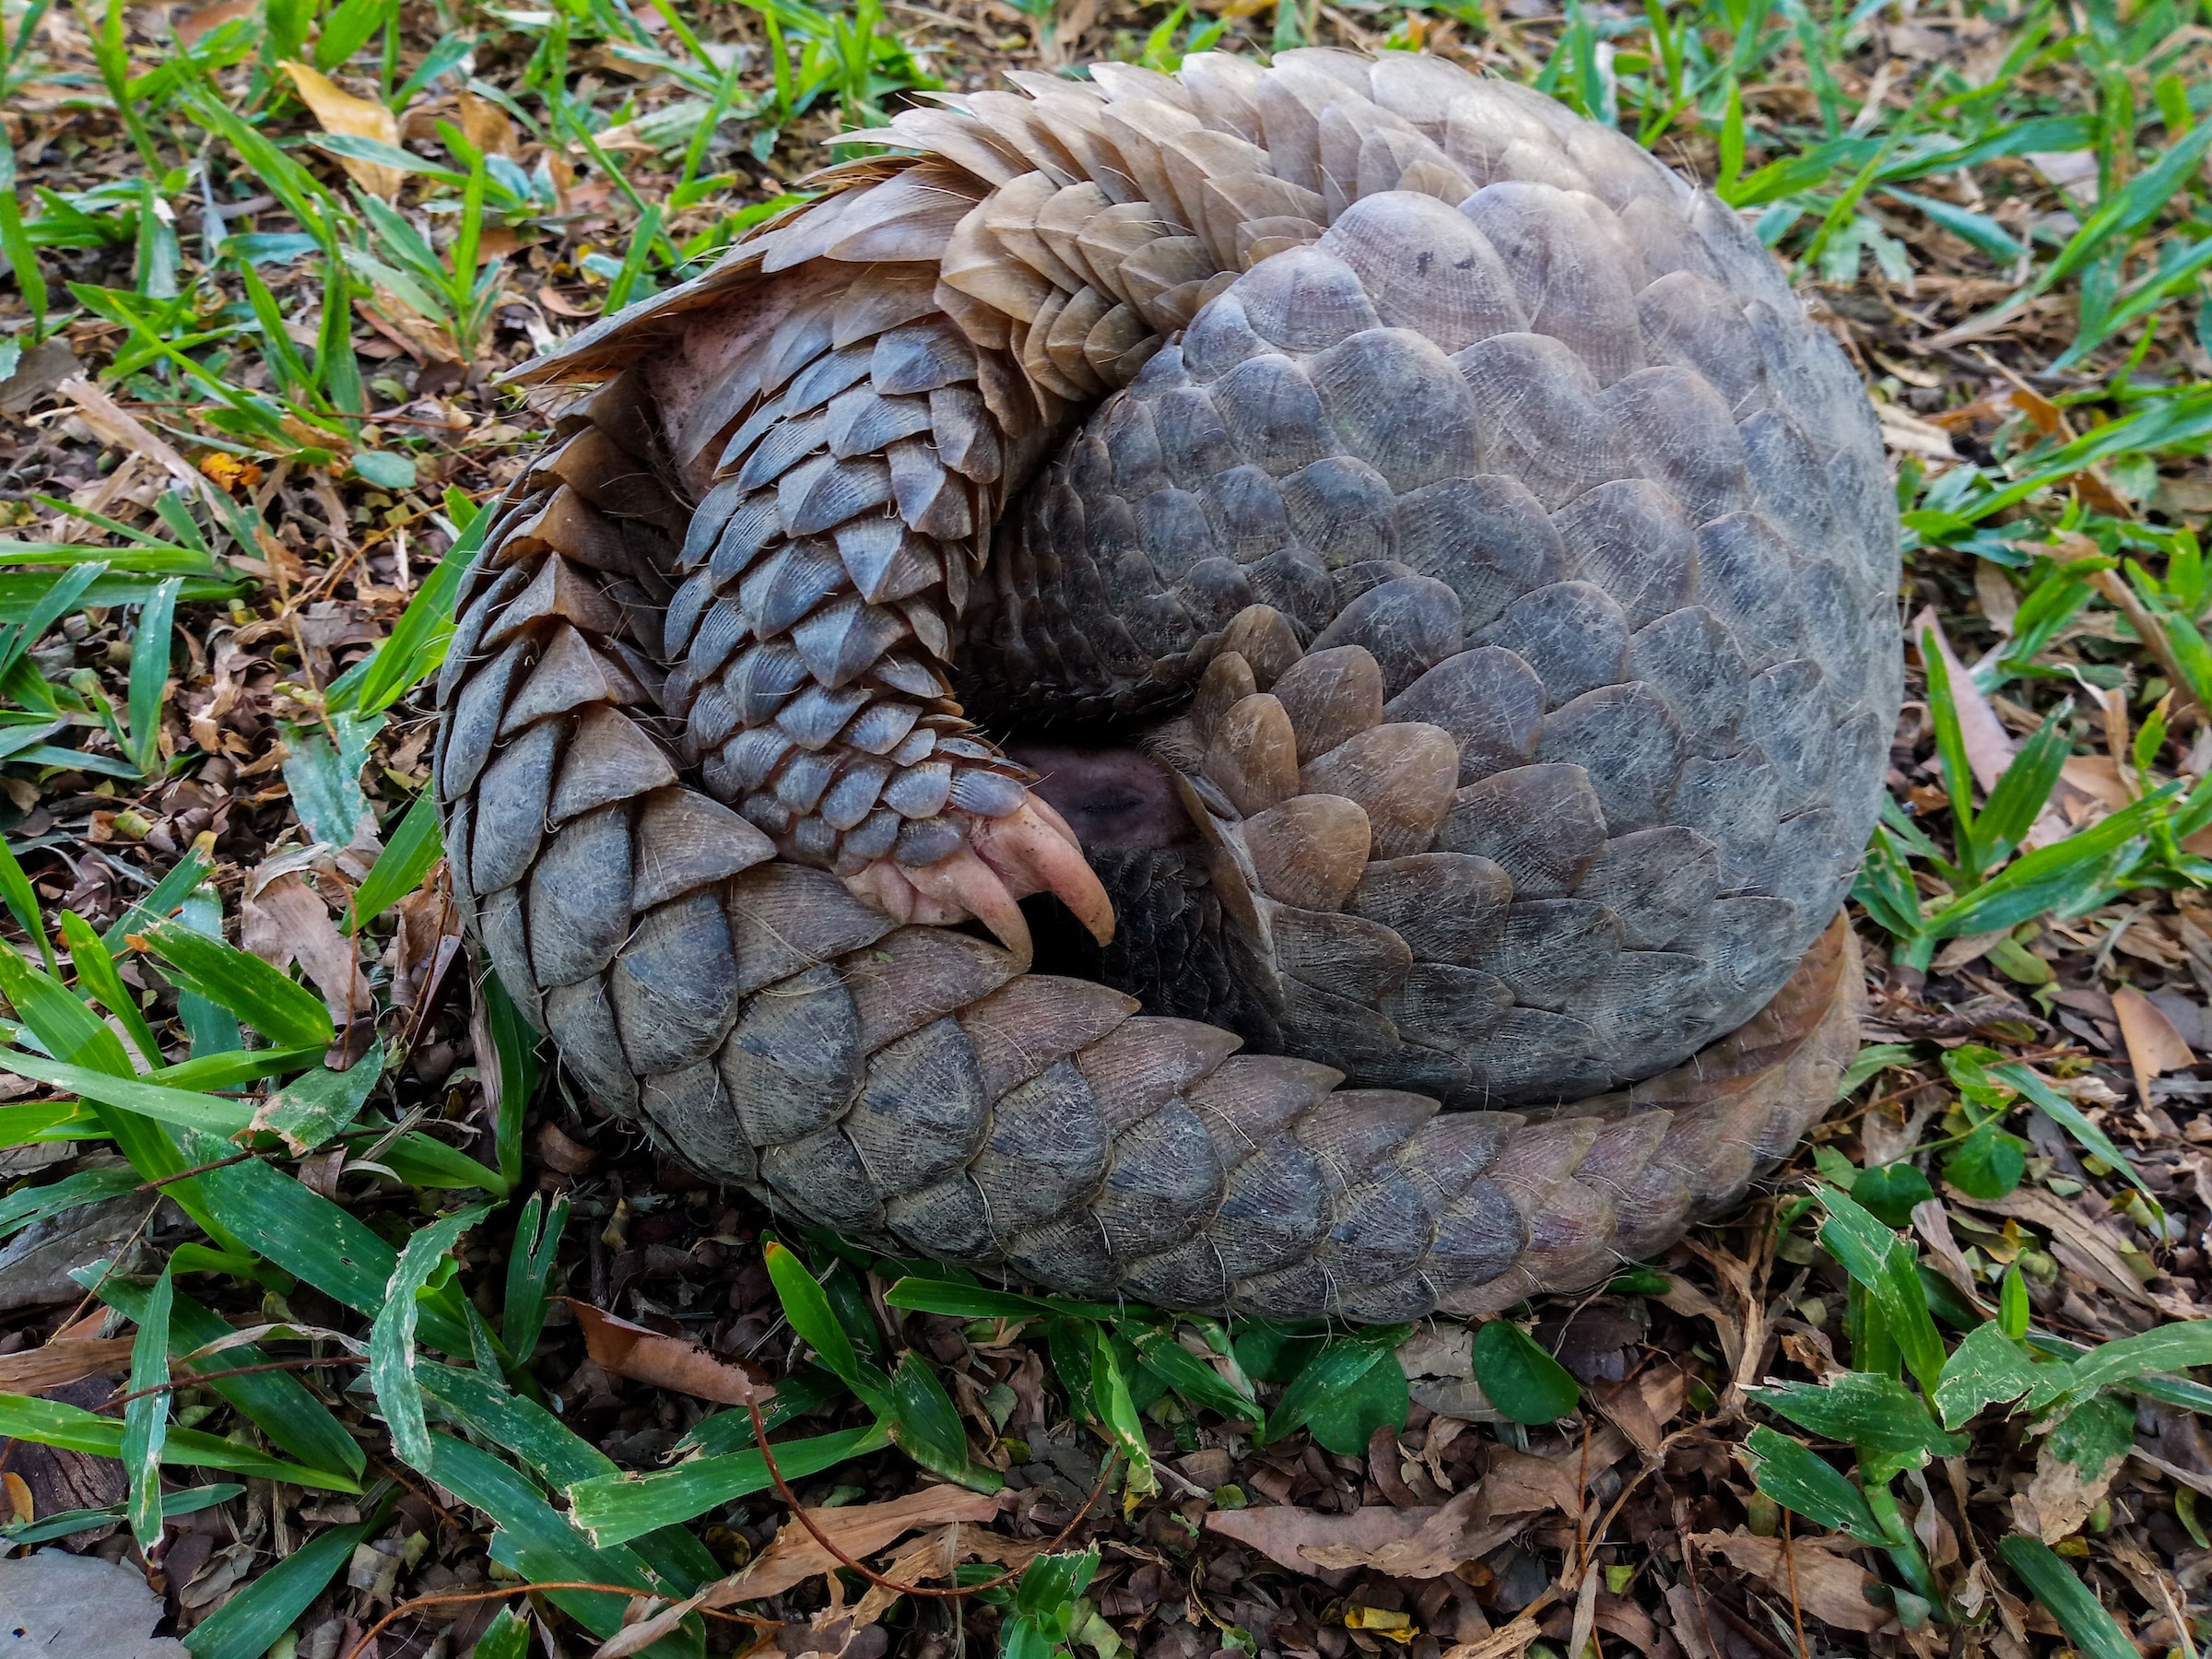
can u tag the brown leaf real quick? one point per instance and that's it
(622, 1350)
(2154, 1047)
(934, 1556)
(1425, 1541)
(117, 428)
(1618, 1615)
(2063, 1494)
(339, 112)
(554, 301)
(486, 127)
(1642, 1405)
(1989, 747)
(282, 920)
(1297, 1539)
(193, 25)
(858, 1529)
(1691, 1621)
(60, 1361)
(561, 1154)
(2079, 1244)
(1932, 1223)
(1830, 1587)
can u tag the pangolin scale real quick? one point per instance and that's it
(1387, 541)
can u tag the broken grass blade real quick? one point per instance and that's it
(559, 1456)
(1797, 1479)
(149, 674)
(392, 1339)
(168, 893)
(146, 1416)
(279, 1007)
(276, 1402)
(96, 973)
(537, 1542)
(311, 1238)
(2172, 1348)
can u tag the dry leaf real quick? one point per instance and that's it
(1909, 434)
(283, 920)
(1286, 1534)
(1988, 746)
(1932, 1223)
(561, 1154)
(1619, 1615)
(60, 1361)
(2154, 1047)
(1642, 1405)
(339, 112)
(553, 301)
(1691, 1622)
(193, 25)
(934, 1556)
(860, 1530)
(486, 127)
(2062, 1495)
(115, 426)
(1830, 1587)
(622, 1350)
(2098, 777)
(1425, 1541)
(1507, 1640)
(2078, 1244)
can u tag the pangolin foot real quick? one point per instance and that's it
(1002, 860)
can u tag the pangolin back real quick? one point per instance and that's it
(1501, 566)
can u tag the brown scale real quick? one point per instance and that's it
(1445, 589)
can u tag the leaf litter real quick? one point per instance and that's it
(264, 265)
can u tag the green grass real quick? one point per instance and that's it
(2043, 353)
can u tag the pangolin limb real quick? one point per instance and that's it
(1412, 541)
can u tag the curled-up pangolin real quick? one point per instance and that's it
(1385, 543)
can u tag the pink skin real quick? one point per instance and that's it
(1098, 797)
(1030, 851)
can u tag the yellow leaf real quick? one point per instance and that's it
(1381, 1621)
(340, 112)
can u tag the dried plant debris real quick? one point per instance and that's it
(328, 1326)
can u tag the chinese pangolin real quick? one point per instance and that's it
(1382, 567)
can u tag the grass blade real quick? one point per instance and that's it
(392, 1340)
(249, 1624)
(2091, 1629)
(146, 1417)
(415, 846)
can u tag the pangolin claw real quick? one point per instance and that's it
(1031, 850)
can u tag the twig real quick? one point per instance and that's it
(1789, 1557)
(191, 1379)
(1690, 1567)
(221, 1163)
(1747, 1630)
